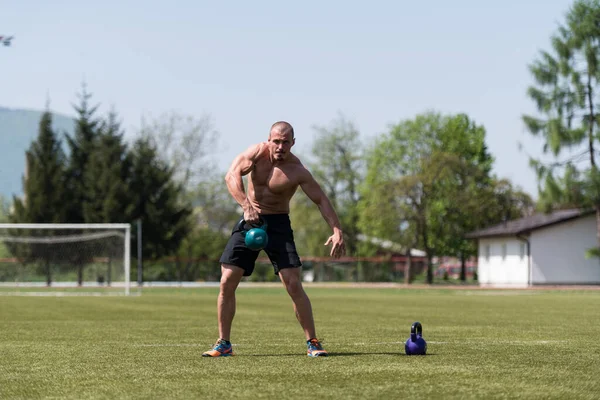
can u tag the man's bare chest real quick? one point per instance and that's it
(276, 179)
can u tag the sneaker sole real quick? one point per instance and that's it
(222, 355)
(318, 355)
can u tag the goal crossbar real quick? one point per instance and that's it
(61, 239)
(65, 226)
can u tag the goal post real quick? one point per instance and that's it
(78, 259)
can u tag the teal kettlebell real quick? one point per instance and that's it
(255, 238)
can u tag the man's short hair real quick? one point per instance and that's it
(283, 127)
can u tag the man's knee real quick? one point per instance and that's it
(230, 278)
(292, 281)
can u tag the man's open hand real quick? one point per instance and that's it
(338, 247)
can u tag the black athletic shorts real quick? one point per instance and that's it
(280, 249)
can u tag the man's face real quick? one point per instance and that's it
(280, 144)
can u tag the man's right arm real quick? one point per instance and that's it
(242, 165)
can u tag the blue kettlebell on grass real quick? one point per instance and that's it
(416, 345)
(255, 238)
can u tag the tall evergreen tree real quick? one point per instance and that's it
(106, 179)
(43, 185)
(44, 191)
(106, 176)
(81, 146)
(157, 200)
(567, 84)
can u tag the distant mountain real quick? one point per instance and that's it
(18, 128)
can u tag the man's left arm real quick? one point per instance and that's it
(314, 192)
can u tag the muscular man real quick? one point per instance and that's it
(275, 174)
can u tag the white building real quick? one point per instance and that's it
(544, 249)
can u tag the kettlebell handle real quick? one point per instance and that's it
(242, 222)
(416, 330)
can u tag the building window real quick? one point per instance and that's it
(522, 251)
(503, 251)
(487, 252)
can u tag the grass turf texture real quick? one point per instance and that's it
(481, 344)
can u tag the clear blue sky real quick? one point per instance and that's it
(248, 64)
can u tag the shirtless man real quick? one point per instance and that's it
(275, 174)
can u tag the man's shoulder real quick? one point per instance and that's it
(260, 146)
(256, 150)
(299, 168)
(294, 160)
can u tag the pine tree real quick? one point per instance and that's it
(44, 190)
(158, 201)
(43, 185)
(566, 94)
(81, 146)
(106, 176)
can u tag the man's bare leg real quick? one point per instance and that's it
(302, 307)
(230, 279)
(292, 280)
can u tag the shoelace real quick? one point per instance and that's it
(315, 343)
(221, 344)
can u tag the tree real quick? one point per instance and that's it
(506, 203)
(458, 210)
(310, 230)
(44, 189)
(4, 209)
(338, 167)
(157, 201)
(106, 179)
(212, 220)
(184, 143)
(474, 208)
(459, 203)
(81, 147)
(214, 207)
(106, 176)
(43, 185)
(567, 83)
(420, 178)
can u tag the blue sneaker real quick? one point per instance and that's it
(221, 349)
(314, 349)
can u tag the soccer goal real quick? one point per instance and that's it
(65, 259)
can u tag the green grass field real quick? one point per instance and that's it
(485, 344)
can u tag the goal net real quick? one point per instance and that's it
(65, 259)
